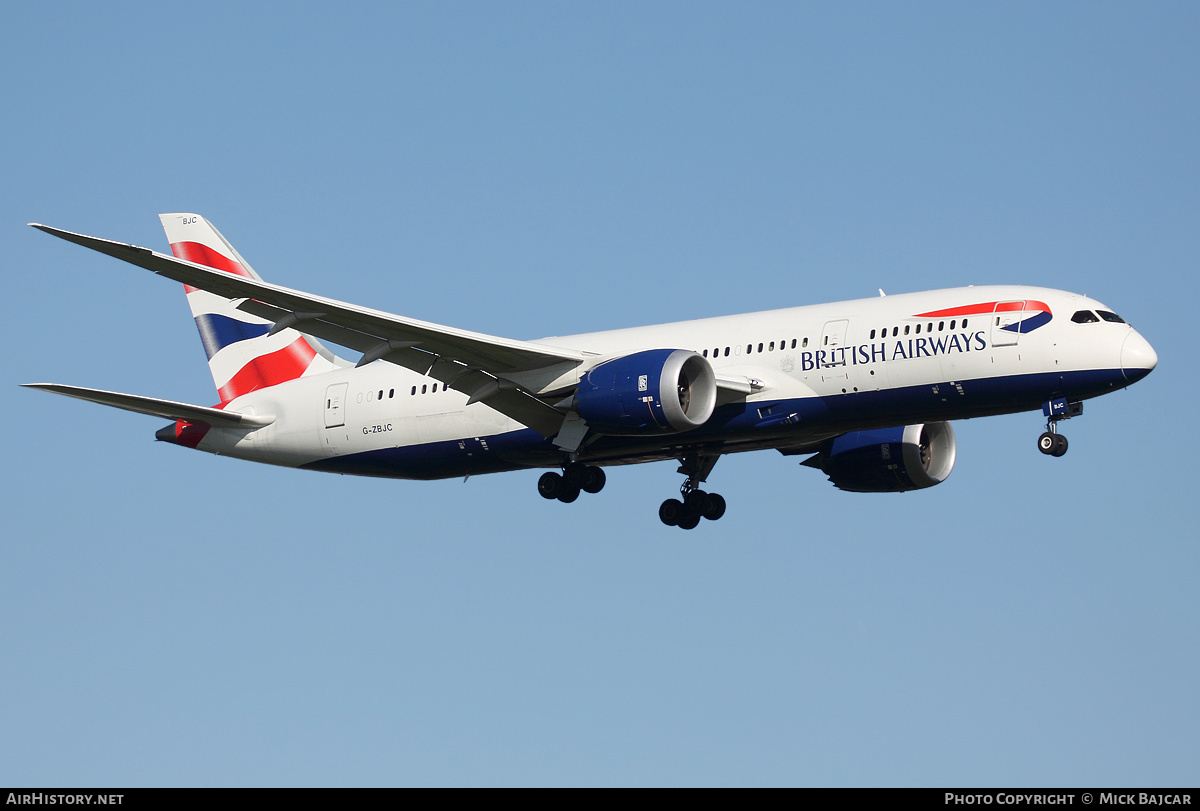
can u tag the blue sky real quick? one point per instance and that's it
(173, 618)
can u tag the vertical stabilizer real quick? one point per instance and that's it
(241, 355)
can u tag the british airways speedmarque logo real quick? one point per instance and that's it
(1029, 315)
(1041, 314)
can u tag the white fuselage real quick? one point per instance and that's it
(858, 364)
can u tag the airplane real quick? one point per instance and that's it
(864, 389)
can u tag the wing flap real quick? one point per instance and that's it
(476, 382)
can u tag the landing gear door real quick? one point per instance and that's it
(335, 405)
(1005, 318)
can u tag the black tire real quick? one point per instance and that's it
(716, 506)
(550, 485)
(595, 480)
(576, 474)
(696, 502)
(568, 493)
(1046, 443)
(689, 520)
(1060, 445)
(671, 511)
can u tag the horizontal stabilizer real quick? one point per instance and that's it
(167, 409)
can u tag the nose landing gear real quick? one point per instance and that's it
(1052, 443)
(685, 512)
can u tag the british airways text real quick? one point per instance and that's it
(897, 350)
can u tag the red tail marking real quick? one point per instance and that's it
(204, 255)
(269, 370)
(189, 434)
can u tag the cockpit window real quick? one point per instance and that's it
(1085, 317)
(1111, 317)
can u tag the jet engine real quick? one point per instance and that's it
(889, 460)
(659, 391)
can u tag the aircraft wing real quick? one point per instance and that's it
(473, 363)
(167, 409)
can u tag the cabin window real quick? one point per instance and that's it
(1085, 317)
(771, 348)
(726, 351)
(760, 348)
(424, 388)
(906, 329)
(918, 329)
(872, 335)
(391, 393)
(951, 325)
(1111, 317)
(929, 327)
(895, 332)
(964, 323)
(794, 343)
(414, 391)
(805, 340)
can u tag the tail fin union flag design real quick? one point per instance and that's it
(242, 356)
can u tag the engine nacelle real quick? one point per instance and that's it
(889, 460)
(659, 391)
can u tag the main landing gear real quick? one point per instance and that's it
(1052, 443)
(576, 477)
(694, 504)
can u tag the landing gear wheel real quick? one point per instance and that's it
(689, 520)
(550, 485)
(715, 508)
(1047, 442)
(671, 511)
(575, 478)
(696, 502)
(1060, 445)
(575, 474)
(594, 481)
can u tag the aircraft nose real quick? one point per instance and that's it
(1137, 357)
